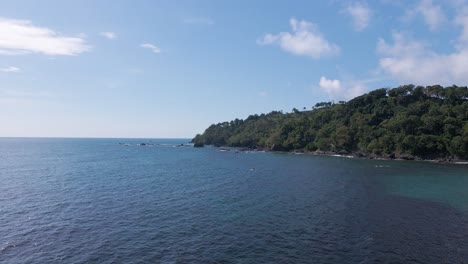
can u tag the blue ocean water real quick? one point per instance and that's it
(115, 201)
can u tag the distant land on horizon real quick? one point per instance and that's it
(407, 122)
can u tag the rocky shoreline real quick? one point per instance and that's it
(358, 155)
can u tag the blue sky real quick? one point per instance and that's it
(172, 68)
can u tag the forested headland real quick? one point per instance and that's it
(407, 122)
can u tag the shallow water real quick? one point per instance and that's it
(98, 201)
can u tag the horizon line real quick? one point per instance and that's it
(65, 137)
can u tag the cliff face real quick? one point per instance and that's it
(417, 122)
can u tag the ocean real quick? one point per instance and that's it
(119, 201)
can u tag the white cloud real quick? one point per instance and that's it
(304, 40)
(433, 14)
(338, 90)
(330, 86)
(10, 69)
(198, 21)
(109, 35)
(412, 61)
(462, 20)
(21, 37)
(151, 47)
(361, 15)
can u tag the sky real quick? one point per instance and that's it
(169, 69)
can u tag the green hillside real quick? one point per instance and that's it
(405, 122)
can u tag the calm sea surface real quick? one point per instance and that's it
(98, 201)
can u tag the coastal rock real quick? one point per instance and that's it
(275, 148)
(406, 156)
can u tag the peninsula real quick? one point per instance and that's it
(407, 122)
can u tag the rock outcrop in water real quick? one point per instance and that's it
(406, 122)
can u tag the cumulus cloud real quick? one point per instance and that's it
(412, 61)
(462, 21)
(433, 14)
(151, 47)
(21, 37)
(109, 35)
(10, 69)
(338, 90)
(330, 86)
(304, 40)
(361, 15)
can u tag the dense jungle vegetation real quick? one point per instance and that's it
(404, 122)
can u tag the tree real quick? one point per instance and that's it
(429, 122)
